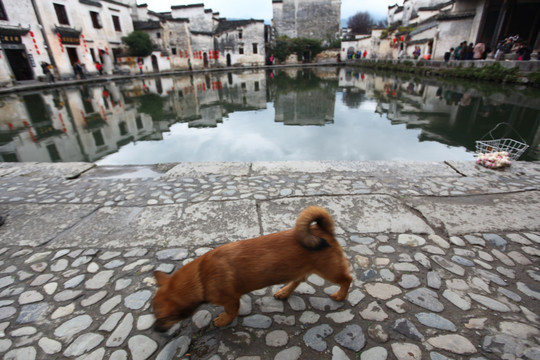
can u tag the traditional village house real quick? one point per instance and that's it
(241, 42)
(190, 36)
(85, 32)
(438, 25)
(22, 42)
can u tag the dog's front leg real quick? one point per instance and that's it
(287, 290)
(232, 308)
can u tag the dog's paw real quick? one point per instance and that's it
(337, 296)
(222, 320)
(281, 295)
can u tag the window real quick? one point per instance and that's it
(98, 138)
(123, 128)
(240, 34)
(53, 153)
(254, 48)
(95, 20)
(139, 123)
(173, 51)
(3, 14)
(256, 86)
(158, 35)
(116, 22)
(61, 14)
(241, 50)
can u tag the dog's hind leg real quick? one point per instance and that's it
(341, 278)
(287, 290)
(232, 308)
(344, 285)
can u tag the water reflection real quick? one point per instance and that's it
(246, 116)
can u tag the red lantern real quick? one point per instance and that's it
(394, 40)
(401, 38)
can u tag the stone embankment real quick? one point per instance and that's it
(445, 259)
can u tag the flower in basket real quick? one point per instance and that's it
(494, 160)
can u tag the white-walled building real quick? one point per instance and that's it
(190, 36)
(438, 25)
(61, 32)
(85, 31)
(240, 42)
(23, 45)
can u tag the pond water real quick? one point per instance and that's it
(259, 115)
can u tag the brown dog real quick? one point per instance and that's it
(224, 274)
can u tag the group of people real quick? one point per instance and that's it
(467, 52)
(357, 55)
(78, 68)
(511, 44)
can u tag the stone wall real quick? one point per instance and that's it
(314, 19)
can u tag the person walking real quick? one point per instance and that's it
(99, 68)
(47, 71)
(140, 66)
(78, 70)
(478, 51)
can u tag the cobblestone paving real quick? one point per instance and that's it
(415, 296)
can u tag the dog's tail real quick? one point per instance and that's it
(303, 225)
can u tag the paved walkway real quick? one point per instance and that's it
(445, 258)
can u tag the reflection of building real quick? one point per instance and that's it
(201, 100)
(69, 125)
(449, 115)
(311, 103)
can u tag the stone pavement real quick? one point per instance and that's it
(445, 258)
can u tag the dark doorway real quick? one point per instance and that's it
(205, 60)
(38, 112)
(73, 57)
(228, 59)
(509, 18)
(155, 66)
(18, 60)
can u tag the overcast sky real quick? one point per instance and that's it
(262, 9)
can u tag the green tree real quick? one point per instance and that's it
(139, 43)
(362, 23)
(285, 46)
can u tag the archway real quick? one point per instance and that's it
(155, 66)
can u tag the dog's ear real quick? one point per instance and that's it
(161, 278)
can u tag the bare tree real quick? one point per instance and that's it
(362, 23)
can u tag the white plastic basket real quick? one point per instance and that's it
(513, 147)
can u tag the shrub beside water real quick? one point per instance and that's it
(494, 72)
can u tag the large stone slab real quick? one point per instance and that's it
(353, 214)
(167, 225)
(518, 168)
(208, 168)
(35, 225)
(44, 170)
(363, 168)
(125, 172)
(482, 214)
